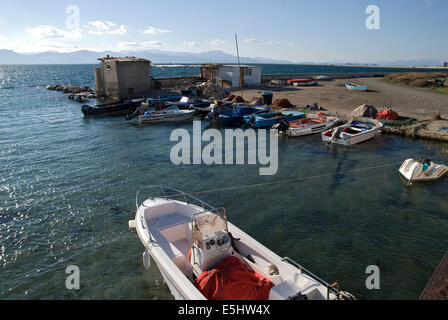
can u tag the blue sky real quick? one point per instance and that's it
(296, 30)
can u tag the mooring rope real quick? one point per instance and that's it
(262, 184)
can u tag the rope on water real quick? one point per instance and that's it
(303, 178)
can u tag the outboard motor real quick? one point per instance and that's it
(136, 113)
(283, 126)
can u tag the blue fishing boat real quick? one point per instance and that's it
(157, 102)
(267, 120)
(356, 87)
(186, 103)
(235, 116)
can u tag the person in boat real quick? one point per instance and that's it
(426, 164)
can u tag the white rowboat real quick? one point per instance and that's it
(357, 130)
(170, 114)
(313, 123)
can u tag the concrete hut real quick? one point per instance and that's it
(127, 77)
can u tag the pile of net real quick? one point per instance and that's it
(366, 110)
(387, 114)
(211, 90)
(282, 103)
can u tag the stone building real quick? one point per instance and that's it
(127, 77)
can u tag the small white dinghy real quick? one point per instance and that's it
(170, 114)
(357, 130)
(313, 123)
(422, 170)
(192, 243)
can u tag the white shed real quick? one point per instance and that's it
(231, 73)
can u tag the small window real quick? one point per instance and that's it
(247, 71)
(108, 68)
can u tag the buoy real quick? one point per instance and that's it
(132, 224)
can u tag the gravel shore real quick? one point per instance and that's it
(332, 95)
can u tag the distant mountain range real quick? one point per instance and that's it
(156, 56)
(165, 57)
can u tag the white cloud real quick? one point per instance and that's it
(252, 41)
(191, 44)
(49, 32)
(273, 43)
(155, 31)
(42, 45)
(219, 43)
(133, 45)
(3, 38)
(99, 28)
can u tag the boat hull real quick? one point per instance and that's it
(412, 171)
(313, 129)
(354, 87)
(302, 82)
(110, 110)
(165, 227)
(158, 117)
(338, 137)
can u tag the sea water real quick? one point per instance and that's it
(68, 183)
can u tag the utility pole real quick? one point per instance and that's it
(239, 66)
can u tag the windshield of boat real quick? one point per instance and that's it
(208, 225)
(172, 108)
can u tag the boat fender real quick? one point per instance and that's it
(146, 259)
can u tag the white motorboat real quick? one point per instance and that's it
(422, 170)
(192, 242)
(313, 123)
(357, 130)
(170, 114)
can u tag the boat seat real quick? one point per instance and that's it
(175, 240)
(283, 291)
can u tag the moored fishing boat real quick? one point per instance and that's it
(357, 130)
(302, 82)
(112, 109)
(356, 87)
(267, 120)
(235, 116)
(170, 114)
(313, 123)
(186, 103)
(192, 244)
(422, 170)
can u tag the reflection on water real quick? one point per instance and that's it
(67, 191)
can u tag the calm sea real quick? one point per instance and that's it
(158, 72)
(67, 191)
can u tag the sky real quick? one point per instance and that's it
(294, 30)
